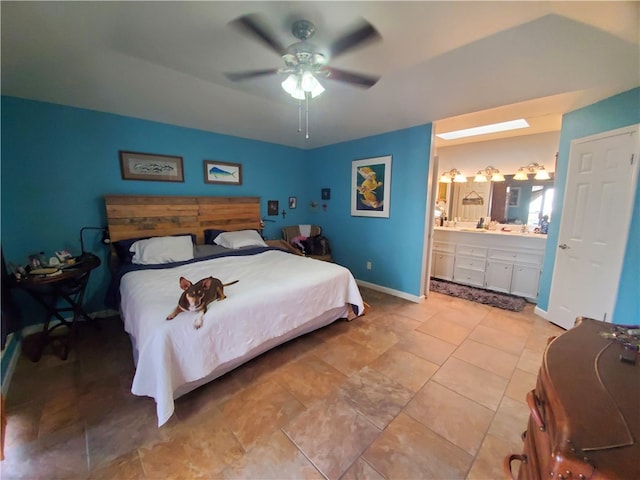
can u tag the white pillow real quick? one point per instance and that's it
(162, 250)
(239, 239)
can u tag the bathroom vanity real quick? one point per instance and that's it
(508, 262)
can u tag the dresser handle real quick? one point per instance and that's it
(533, 403)
(506, 464)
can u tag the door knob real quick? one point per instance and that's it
(563, 246)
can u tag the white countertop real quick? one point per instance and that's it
(516, 232)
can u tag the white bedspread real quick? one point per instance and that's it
(277, 293)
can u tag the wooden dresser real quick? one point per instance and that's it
(585, 411)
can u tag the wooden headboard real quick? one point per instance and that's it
(133, 216)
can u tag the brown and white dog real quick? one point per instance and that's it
(197, 296)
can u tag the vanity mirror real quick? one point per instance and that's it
(511, 201)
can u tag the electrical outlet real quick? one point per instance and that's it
(368, 265)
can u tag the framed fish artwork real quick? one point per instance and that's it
(222, 173)
(151, 166)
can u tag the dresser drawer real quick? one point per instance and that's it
(471, 251)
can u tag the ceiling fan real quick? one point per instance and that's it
(305, 56)
(304, 61)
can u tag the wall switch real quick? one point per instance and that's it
(368, 265)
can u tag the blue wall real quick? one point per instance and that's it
(393, 245)
(58, 163)
(616, 112)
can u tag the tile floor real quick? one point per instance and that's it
(433, 390)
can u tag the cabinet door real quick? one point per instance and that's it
(524, 281)
(442, 266)
(498, 276)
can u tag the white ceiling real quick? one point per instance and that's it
(458, 64)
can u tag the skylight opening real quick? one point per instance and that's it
(484, 129)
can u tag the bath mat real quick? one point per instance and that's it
(488, 297)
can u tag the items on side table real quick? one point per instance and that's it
(60, 291)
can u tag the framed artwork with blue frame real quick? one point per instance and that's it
(371, 187)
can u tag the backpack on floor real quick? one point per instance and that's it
(317, 245)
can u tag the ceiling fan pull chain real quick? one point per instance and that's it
(299, 116)
(307, 113)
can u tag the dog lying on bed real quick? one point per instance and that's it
(197, 296)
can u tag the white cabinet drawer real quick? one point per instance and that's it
(471, 250)
(522, 257)
(469, 277)
(471, 263)
(444, 247)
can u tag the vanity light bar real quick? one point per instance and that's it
(539, 170)
(489, 173)
(484, 129)
(453, 175)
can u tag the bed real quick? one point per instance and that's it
(279, 295)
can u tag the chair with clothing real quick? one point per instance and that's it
(298, 235)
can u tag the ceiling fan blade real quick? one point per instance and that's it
(236, 76)
(254, 25)
(358, 79)
(361, 34)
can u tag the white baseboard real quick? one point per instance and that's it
(391, 291)
(541, 313)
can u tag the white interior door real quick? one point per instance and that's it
(598, 204)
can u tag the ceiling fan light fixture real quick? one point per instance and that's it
(317, 89)
(299, 84)
(290, 84)
(308, 82)
(299, 94)
(303, 61)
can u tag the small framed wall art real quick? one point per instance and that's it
(293, 202)
(151, 166)
(222, 173)
(272, 207)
